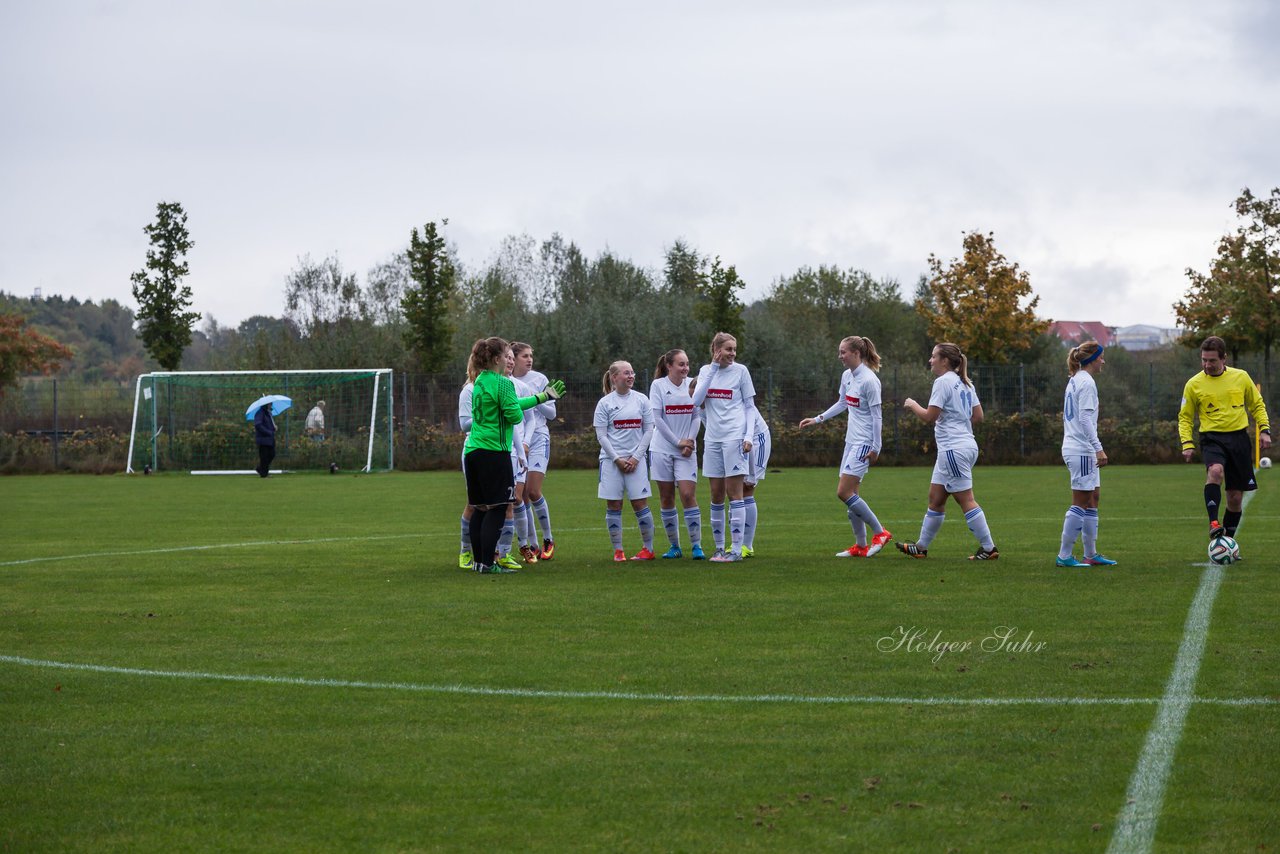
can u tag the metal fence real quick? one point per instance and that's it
(1023, 403)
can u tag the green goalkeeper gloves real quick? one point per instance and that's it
(555, 389)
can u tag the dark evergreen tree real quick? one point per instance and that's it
(164, 322)
(429, 333)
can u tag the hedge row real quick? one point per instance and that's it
(1032, 439)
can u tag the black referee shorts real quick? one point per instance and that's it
(1234, 452)
(489, 477)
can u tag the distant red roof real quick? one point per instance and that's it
(1076, 331)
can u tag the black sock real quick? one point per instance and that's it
(1231, 521)
(477, 523)
(1212, 498)
(491, 532)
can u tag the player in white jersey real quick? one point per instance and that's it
(513, 527)
(757, 468)
(953, 410)
(727, 396)
(624, 426)
(464, 423)
(860, 398)
(538, 437)
(1083, 454)
(673, 454)
(465, 560)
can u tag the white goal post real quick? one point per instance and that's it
(196, 421)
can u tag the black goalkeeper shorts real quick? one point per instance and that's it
(490, 480)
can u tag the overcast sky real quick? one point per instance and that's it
(1102, 142)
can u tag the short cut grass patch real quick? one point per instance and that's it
(298, 663)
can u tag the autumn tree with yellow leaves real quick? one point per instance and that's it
(1239, 299)
(977, 303)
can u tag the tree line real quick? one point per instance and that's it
(420, 309)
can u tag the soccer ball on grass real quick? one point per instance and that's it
(1264, 463)
(1224, 551)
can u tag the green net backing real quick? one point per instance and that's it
(197, 422)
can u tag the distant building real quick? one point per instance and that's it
(1078, 331)
(1143, 337)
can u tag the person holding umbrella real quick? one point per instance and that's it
(263, 411)
(264, 433)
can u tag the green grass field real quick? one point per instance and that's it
(298, 664)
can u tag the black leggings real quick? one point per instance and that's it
(486, 530)
(266, 453)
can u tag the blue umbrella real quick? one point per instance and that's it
(279, 403)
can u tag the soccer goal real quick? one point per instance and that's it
(196, 421)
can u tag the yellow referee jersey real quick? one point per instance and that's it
(1223, 403)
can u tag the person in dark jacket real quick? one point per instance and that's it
(264, 433)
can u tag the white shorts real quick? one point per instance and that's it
(540, 451)
(724, 459)
(758, 461)
(669, 468)
(517, 473)
(1085, 474)
(854, 462)
(954, 469)
(613, 482)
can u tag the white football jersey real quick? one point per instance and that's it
(953, 430)
(673, 406)
(522, 390)
(860, 390)
(536, 418)
(626, 419)
(760, 434)
(725, 395)
(464, 407)
(1080, 416)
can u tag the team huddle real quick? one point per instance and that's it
(506, 406)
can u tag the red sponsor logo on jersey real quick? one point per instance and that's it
(720, 393)
(851, 400)
(627, 423)
(679, 408)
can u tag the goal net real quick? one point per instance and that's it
(195, 421)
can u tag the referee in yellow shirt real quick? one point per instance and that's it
(1223, 398)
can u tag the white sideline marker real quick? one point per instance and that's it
(252, 544)
(1136, 823)
(212, 546)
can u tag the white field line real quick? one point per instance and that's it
(426, 534)
(252, 544)
(1136, 824)
(212, 546)
(483, 691)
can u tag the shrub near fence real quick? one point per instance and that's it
(1022, 406)
(100, 451)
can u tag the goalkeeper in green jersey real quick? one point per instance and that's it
(495, 410)
(1223, 398)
